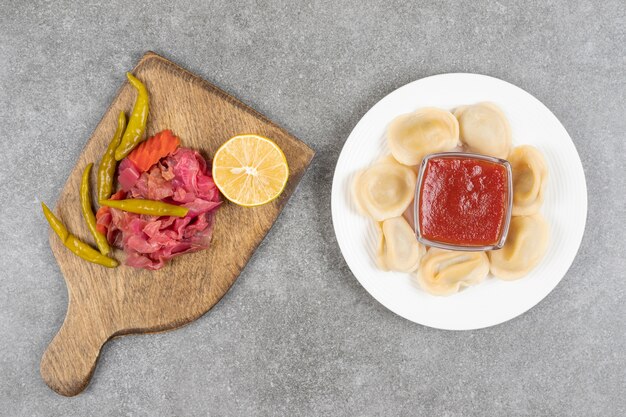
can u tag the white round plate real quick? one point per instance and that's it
(493, 301)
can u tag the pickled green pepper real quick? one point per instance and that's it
(78, 247)
(106, 168)
(90, 218)
(137, 121)
(149, 207)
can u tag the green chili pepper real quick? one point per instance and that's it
(137, 122)
(106, 168)
(70, 241)
(90, 219)
(149, 207)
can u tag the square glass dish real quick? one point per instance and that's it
(463, 201)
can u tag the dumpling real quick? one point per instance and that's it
(530, 177)
(384, 190)
(398, 249)
(526, 244)
(484, 129)
(444, 272)
(411, 136)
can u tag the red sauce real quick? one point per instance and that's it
(463, 201)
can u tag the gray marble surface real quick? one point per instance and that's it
(297, 334)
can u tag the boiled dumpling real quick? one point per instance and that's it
(411, 136)
(525, 246)
(444, 272)
(398, 249)
(530, 177)
(384, 190)
(484, 129)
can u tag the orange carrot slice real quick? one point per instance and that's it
(150, 151)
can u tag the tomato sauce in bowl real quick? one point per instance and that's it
(463, 201)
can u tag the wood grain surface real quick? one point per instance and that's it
(104, 303)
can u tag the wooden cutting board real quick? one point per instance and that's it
(105, 303)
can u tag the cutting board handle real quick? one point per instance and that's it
(70, 359)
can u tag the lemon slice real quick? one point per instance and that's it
(250, 170)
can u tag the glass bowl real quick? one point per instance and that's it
(460, 247)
